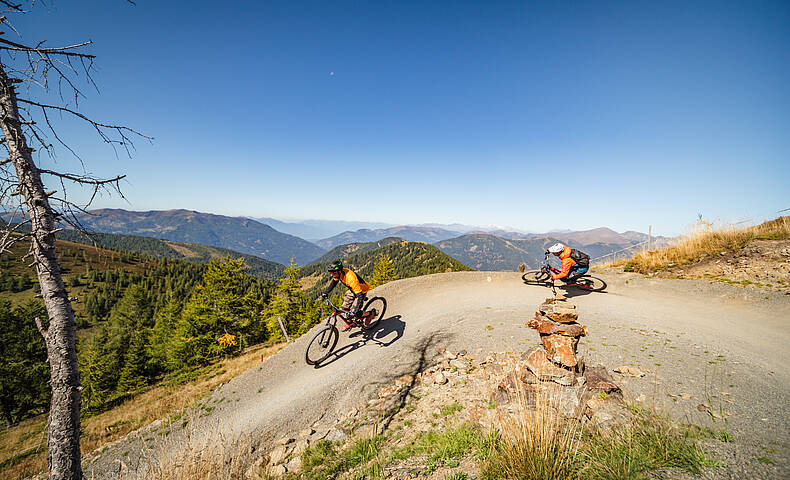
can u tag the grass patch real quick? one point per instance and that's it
(451, 409)
(705, 241)
(326, 460)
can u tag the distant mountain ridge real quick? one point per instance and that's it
(157, 248)
(406, 232)
(316, 229)
(484, 251)
(234, 233)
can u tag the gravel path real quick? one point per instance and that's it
(708, 346)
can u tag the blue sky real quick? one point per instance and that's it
(530, 115)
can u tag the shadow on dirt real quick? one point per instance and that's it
(569, 291)
(385, 328)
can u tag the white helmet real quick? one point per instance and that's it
(556, 248)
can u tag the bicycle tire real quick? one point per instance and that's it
(325, 340)
(380, 304)
(592, 284)
(534, 277)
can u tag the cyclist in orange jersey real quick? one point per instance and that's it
(357, 289)
(575, 263)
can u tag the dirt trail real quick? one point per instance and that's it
(704, 343)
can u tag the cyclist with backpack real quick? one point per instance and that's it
(575, 263)
(355, 296)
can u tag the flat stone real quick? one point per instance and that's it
(459, 364)
(306, 432)
(278, 455)
(561, 349)
(277, 470)
(405, 380)
(388, 390)
(284, 441)
(629, 371)
(538, 363)
(319, 435)
(367, 430)
(336, 435)
(597, 378)
(295, 465)
(545, 325)
(440, 378)
(300, 447)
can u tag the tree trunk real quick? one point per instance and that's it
(63, 440)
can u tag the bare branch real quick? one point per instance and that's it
(41, 329)
(15, 8)
(46, 52)
(121, 130)
(84, 179)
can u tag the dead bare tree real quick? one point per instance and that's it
(33, 214)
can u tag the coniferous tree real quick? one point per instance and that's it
(223, 305)
(134, 371)
(23, 371)
(383, 272)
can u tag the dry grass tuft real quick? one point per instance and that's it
(704, 239)
(537, 440)
(202, 457)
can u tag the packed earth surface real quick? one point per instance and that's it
(713, 354)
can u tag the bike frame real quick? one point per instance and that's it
(332, 318)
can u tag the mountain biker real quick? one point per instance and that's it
(355, 296)
(575, 263)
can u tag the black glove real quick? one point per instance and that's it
(324, 296)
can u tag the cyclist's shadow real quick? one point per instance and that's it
(387, 326)
(571, 291)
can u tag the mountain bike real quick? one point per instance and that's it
(543, 275)
(324, 341)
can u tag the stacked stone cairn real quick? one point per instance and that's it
(554, 366)
(556, 359)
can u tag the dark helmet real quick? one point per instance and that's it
(335, 266)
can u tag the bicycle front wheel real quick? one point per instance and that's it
(535, 277)
(322, 345)
(375, 307)
(592, 284)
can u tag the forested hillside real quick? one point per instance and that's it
(234, 233)
(157, 248)
(139, 319)
(489, 252)
(408, 259)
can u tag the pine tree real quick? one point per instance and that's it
(287, 304)
(383, 272)
(224, 304)
(134, 372)
(164, 324)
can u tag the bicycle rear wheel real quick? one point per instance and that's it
(379, 304)
(535, 277)
(592, 284)
(322, 345)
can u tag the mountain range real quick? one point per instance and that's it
(233, 233)
(406, 232)
(502, 250)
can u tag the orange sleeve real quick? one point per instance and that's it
(567, 263)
